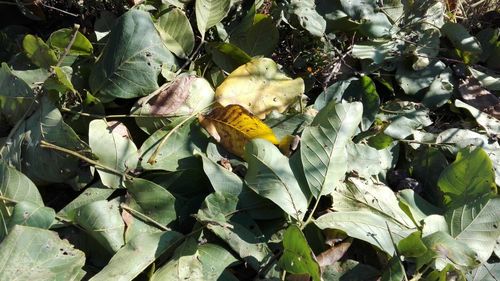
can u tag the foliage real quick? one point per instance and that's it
(250, 140)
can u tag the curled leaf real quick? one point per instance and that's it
(233, 126)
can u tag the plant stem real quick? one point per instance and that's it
(310, 217)
(48, 145)
(145, 217)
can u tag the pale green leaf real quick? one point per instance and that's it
(269, 175)
(209, 13)
(131, 60)
(113, 149)
(30, 253)
(323, 150)
(137, 255)
(476, 224)
(488, 122)
(103, 221)
(175, 31)
(62, 38)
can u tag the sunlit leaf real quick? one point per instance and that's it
(39, 52)
(175, 31)
(30, 253)
(233, 126)
(209, 13)
(260, 87)
(297, 257)
(63, 38)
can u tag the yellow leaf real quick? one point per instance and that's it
(233, 126)
(259, 87)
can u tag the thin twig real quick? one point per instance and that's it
(74, 33)
(52, 146)
(144, 217)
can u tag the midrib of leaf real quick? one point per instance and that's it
(284, 185)
(231, 126)
(375, 210)
(462, 217)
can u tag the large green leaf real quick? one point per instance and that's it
(96, 192)
(444, 250)
(102, 220)
(366, 226)
(15, 97)
(309, 19)
(323, 151)
(259, 39)
(136, 255)
(131, 60)
(297, 257)
(209, 13)
(47, 124)
(367, 161)
(470, 177)
(216, 213)
(62, 38)
(193, 262)
(32, 214)
(30, 253)
(175, 31)
(113, 147)
(462, 138)
(269, 174)
(412, 81)
(151, 199)
(476, 224)
(359, 195)
(39, 52)
(467, 45)
(485, 272)
(364, 90)
(227, 56)
(176, 151)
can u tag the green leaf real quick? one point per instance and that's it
(412, 246)
(227, 56)
(470, 177)
(395, 270)
(476, 224)
(32, 214)
(39, 52)
(485, 272)
(217, 214)
(137, 255)
(366, 226)
(349, 270)
(260, 39)
(427, 166)
(61, 39)
(177, 150)
(114, 149)
(361, 195)
(91, 194)
(30, 253)
(309, 19)
(175, 31)
(445, 250)
(47, 124)
(16, 186)
(415, 206)
(131, 60)
(412, 81)
(465, 138)
(323, 150)
(440, 90)
(102, 220)
(61, 80)
(333, 92)
(488, 122)
(468, 45)
(209, 13)
(154, 200)
(15, 96)
(375, 25)
(367, 161)
(297, 257)
(269, 175)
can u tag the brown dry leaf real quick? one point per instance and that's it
(183, 96)
(334, 254)
(233, 126)
(260, 87)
